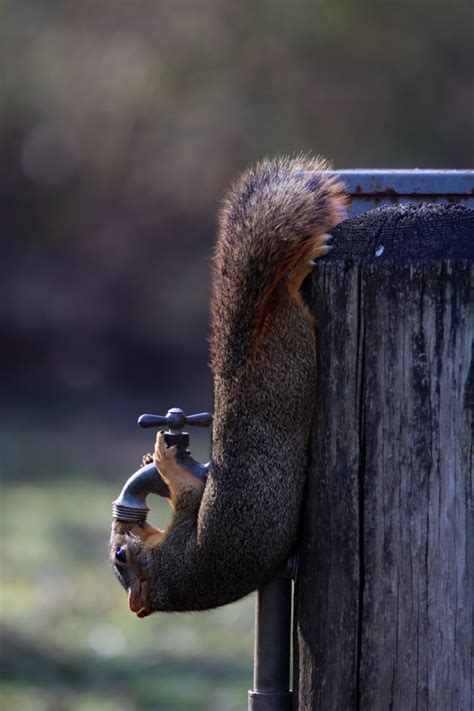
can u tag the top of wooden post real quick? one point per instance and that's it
(406, 233)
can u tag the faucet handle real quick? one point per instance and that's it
(175, 420)
(202, 419)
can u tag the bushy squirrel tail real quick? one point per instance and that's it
(270, 221)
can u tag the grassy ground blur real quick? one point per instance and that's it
(69, 641)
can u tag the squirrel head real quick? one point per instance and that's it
(133, 564)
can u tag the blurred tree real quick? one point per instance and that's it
(122, 123)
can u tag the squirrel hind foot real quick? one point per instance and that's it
(317, 248)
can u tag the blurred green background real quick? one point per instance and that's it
(121, 124)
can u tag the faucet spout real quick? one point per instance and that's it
(131, 503)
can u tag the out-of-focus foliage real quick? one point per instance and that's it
(122, 123)
(69, 642)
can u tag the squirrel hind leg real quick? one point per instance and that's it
(318, 248)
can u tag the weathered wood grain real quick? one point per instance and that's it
(384, 596)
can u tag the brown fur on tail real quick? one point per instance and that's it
(270, 221)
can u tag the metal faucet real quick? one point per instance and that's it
(131, 503)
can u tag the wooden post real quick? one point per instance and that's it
(384, 594)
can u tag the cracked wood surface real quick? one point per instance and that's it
(384, 596)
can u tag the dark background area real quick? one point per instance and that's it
(121, 124)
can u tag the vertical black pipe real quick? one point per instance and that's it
(271, 672)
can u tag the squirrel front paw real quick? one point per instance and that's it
(185, 488)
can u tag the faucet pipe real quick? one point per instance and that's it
(131, 503)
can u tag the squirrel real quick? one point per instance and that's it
(230, 534)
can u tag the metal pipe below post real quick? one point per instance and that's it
(271, 671)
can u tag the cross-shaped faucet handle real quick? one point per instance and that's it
(175, 420)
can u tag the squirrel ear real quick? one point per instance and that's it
(149, 535)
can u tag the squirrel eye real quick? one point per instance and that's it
(120, 555)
